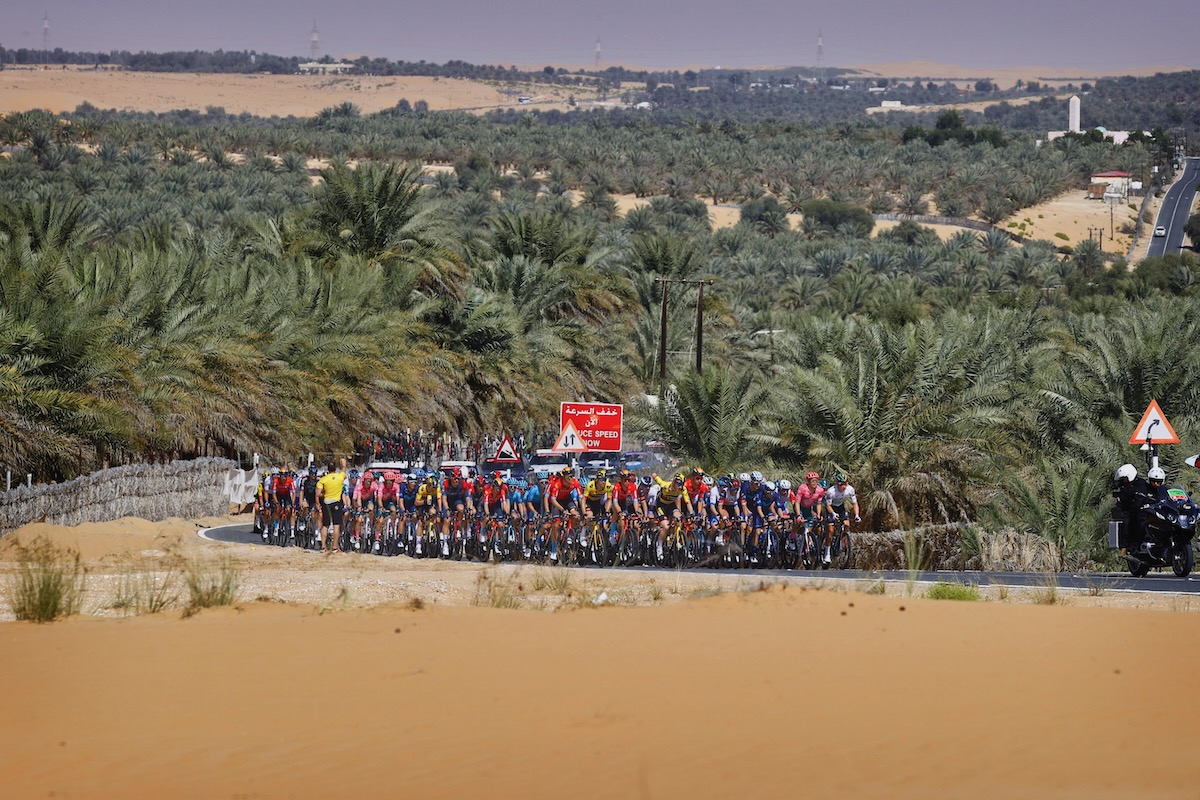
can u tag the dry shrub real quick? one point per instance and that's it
(49, 582)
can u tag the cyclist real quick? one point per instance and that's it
(362, 502)
(647, 496)
(597, 496)
(331, 495)
(495, 497)
(562, 499)
(388, 498)
(284, 491)
(308, 489)
(671, 501)
(624, 498)
(695, 489)
(459, 494)
(839, 499)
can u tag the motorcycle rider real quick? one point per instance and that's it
(1133, 494)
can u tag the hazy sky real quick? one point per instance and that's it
(1098, 35)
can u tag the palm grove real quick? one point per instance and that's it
(183, 278)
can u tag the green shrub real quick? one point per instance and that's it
(1063, 236)
(952, 591)
(48, 584)
(141, 591)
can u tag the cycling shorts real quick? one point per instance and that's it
(331, 513)
(596, 507)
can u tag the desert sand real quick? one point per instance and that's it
(699, 688)
(60, 90)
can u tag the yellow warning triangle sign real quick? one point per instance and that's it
(1154, 428)
(569, 440)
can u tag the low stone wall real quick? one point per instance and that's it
(956, 547)
(186, 489)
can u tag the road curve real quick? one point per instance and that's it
(1159, 582)
(1175, 209)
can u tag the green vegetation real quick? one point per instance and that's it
(178, 283)
(48, 584)
(952, 591)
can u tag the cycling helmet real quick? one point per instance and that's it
(419, 474)
(756, 476)
(1126, 472)
(377, 475)
(312, 470)
(785, 485)
(541, 476)
(497, 477)
(708, 480)
(431, 479)
(353, 473)
(813, 476)
(565, 471)
(1156, 474)
(744, 477)
(679, 476)
(647, 480)
(511, 481)
(697, 471)
(522, 484)
(274, 470)
(724, 480)
(841, 477)
(769, 486)
(601, 474)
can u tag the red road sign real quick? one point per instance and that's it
(598, 424)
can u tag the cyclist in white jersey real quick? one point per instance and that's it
(839, 500)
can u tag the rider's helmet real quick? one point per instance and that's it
(312, 470)
(647, 480)
(813, 476)
(697, 471)
(353, 473)
(274, 470)
(756, 477)
(769, 486)
(841, 477)
(601, 475)
(708, 480)
(497, 477)
(785, 485)
(725, 480)
(744, 477)
(377, 476)
(431, 479)
(680, 477)
(1156, 475)
(565, 472)
(1125, 472)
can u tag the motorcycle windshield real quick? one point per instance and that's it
(1177, 494)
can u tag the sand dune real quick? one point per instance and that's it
(772, 693)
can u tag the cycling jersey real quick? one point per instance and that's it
(561, 489)
(388, 493)
(837, 497)
(597, 490)
(669, 492)
(625, 492)
(365, 490)
(493, 494)
(426, 494)
(808, 496)
(308, 488)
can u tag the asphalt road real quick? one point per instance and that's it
(1164, 581)
(1175, 209)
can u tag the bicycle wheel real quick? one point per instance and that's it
(598, 545)
(845, 555)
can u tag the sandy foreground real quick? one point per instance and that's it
(678, 685)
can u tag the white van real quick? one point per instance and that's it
(549, 462)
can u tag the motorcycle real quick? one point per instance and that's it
(1168, 528)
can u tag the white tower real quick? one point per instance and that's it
(597, 53)
(46, 32)
(820, 57)
(1073, 114)
(314, 44)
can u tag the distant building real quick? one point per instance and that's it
(318, 68)
(1110, 185)
(892, 104)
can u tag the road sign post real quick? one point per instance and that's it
(1153, 430)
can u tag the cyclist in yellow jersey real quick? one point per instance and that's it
(597, 495)
(672, 497)
(429, 495)
(330, 490)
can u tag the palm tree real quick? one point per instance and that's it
(719, 419)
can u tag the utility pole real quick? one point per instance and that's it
(662, 335)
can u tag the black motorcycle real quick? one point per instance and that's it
(1168, 527)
